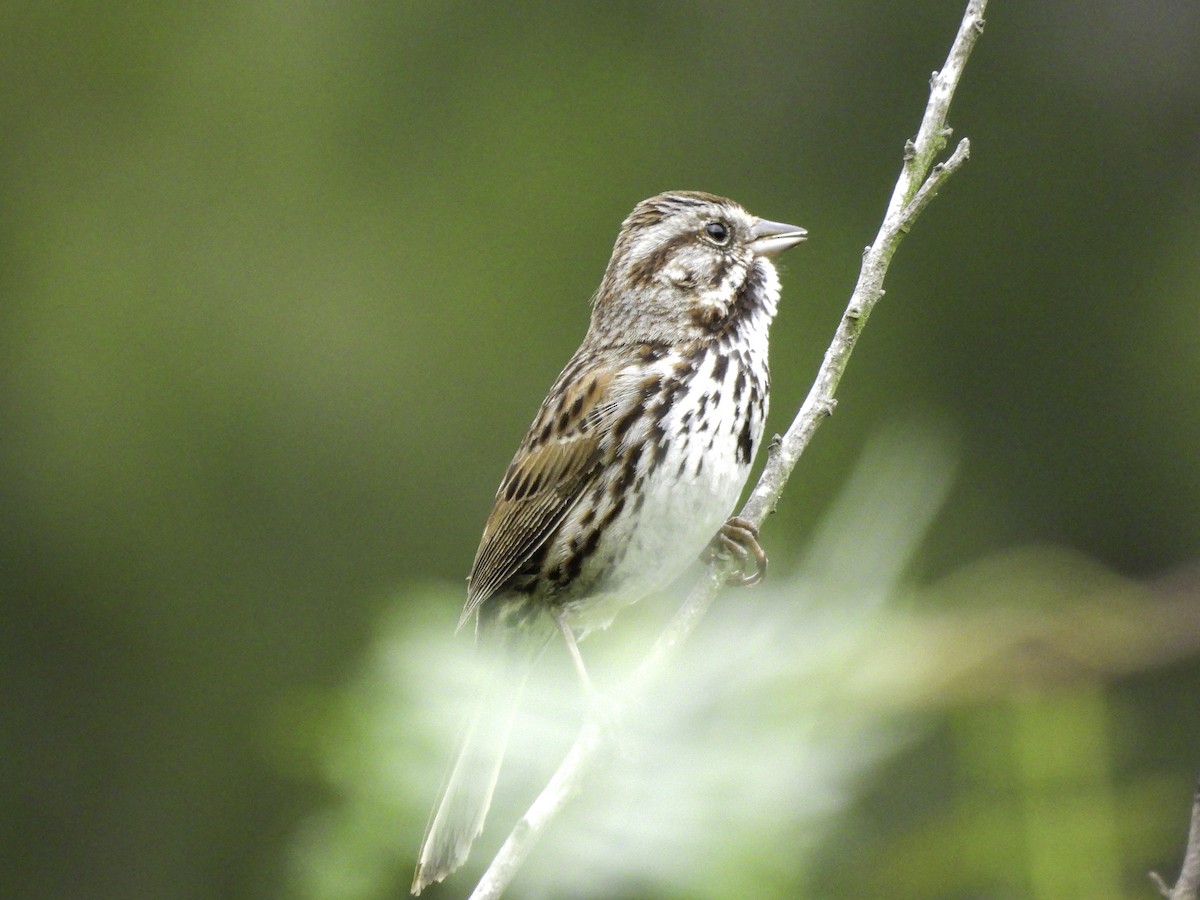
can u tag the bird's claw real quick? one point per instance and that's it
(739, 538)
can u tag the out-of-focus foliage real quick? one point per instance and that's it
(282, 284)
(735, 762)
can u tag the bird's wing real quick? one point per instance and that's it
(566, 446)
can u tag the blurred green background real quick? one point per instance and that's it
(281, 286)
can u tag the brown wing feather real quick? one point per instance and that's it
(552, 469)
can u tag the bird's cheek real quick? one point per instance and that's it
(677, 274)
(709, 308)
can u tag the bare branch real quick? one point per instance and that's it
(914, 189)
(1188, 885)
(554, 796)
(912, 194)
(937, 177)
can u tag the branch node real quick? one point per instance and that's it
(775, 444)
(1163, 887)
(910, 150)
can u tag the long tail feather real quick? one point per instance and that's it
(458, 817)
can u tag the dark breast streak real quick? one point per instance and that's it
(562, 568)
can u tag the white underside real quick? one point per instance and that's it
(681, 513)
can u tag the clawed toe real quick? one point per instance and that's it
(739, 538)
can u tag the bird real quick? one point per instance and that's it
(629, 471)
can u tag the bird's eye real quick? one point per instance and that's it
(718, 232)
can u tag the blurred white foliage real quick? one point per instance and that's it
(724, 771)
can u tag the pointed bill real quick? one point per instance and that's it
(770, 238)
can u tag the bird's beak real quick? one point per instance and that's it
(769, 238)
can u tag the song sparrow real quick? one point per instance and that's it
(635, 459)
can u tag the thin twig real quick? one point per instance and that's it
(1188, 885)
(912, 193)
(915, 187)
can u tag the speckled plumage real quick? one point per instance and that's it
(635, 459)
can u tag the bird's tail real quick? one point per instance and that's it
(457, 818)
